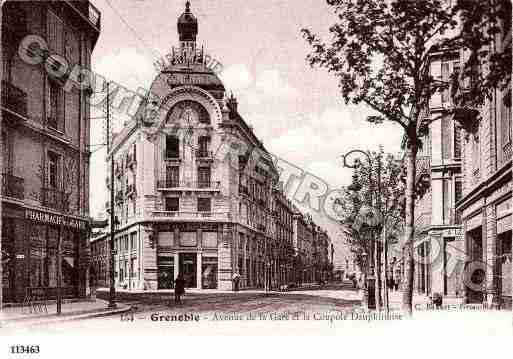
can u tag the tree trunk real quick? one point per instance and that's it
(407, 286)
(377, 273)
(1, 169)
(59, 270)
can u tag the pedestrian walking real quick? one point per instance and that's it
(236, 281)
(179, 288)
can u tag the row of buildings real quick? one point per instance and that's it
(45, 147)
(464, 186)
(196, 192)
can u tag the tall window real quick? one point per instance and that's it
(203, 142)
(447, 136)
(475, 152)
(447, 201)
(204, 205)
(457, 142)
(55, 110)
(172, 147)
(506, 119)
(445, 78)
(172, 176)
(172, 204)
(53, 170)
(203, 177)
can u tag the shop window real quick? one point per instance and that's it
(209, 273)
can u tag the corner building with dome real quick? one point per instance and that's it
(196, 192)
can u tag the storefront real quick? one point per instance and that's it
(30, 252)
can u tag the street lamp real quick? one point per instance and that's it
(356, 187)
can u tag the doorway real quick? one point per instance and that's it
(188, 268)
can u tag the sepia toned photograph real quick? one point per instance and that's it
(258, 167)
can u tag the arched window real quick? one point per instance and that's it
(188, 113)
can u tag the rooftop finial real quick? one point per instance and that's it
(188, 6)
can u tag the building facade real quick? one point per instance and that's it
(486, 206)
(463, 206)
(196, 192)
(439, 234)
(45, 147)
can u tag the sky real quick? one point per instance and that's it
(297, 111)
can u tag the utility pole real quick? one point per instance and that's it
(112, 290)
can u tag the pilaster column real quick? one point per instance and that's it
(176, 265)
(198, 271)
(466, 245)
(492, 280)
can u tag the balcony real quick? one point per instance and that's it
(166, 185)
(54, 199)
(464, 97)
(172, 156)
(88, 11)
(13, 187)
(204, 155)
(191, 215)
(14, 99)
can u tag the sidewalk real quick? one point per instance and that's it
(419, 301)
(21, 316)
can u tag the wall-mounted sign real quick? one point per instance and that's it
(55, 219)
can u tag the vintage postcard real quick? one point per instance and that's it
(262, 167)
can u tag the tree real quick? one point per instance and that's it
(381, 187)
(59, 194)
(379, 52)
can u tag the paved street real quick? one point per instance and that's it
(213, 306)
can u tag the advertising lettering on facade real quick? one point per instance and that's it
(55, 219)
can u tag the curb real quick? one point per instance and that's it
(29, 322)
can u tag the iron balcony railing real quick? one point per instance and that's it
(54, 198)
(89, 11)
(204, 154)
(13, 186)
(14, 99)
(169, 183)
(191, 215)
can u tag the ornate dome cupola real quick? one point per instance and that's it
(187, 25)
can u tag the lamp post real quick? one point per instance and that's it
(355, 187)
